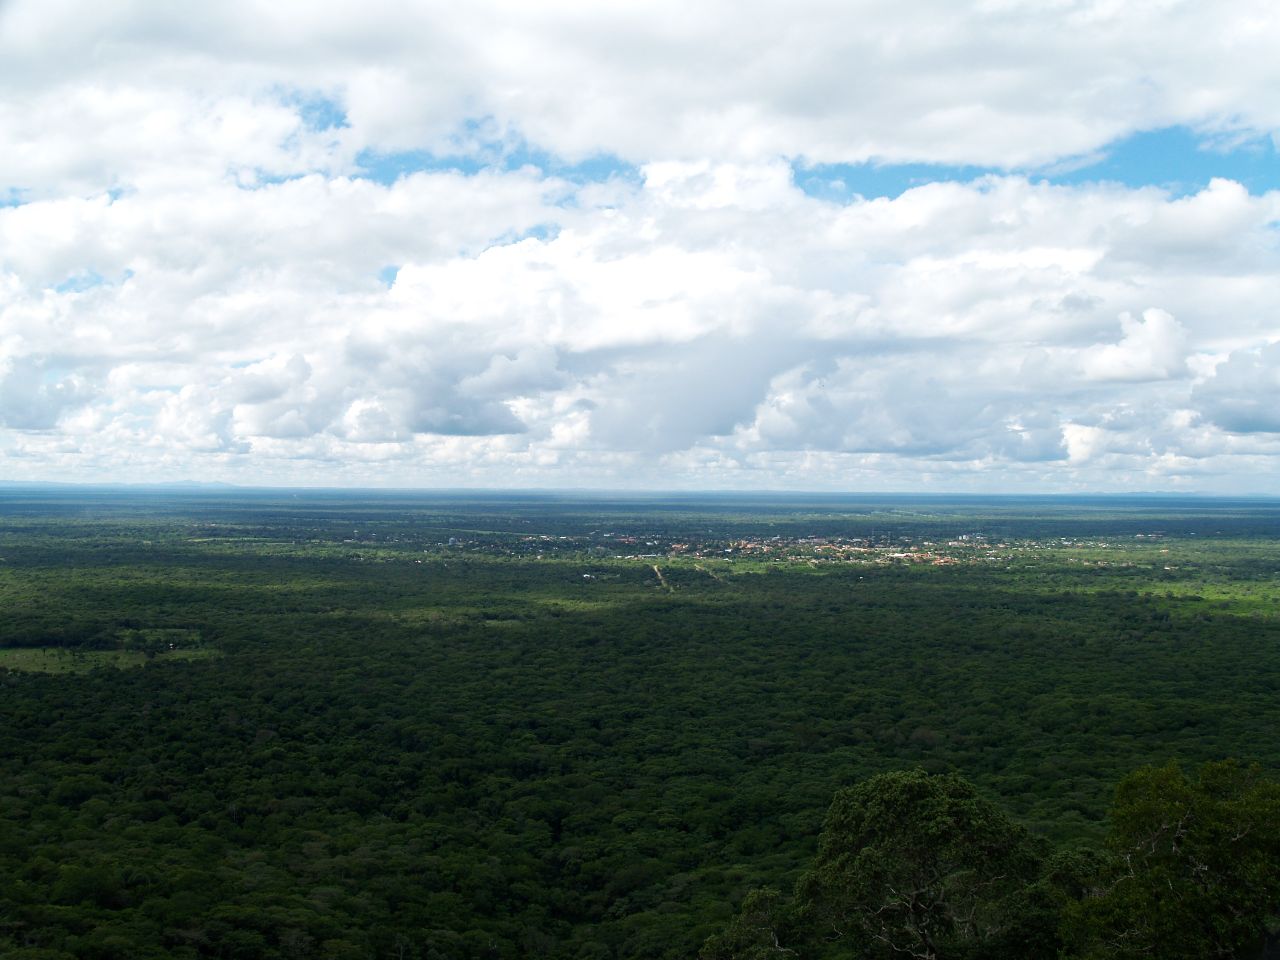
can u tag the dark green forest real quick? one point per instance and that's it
(242, 724)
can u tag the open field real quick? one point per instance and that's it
(65, 660)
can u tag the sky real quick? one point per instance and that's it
(935, 246)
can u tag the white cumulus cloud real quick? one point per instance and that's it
(205, 271)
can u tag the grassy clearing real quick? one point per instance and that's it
(61, 660)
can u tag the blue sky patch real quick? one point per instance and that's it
(539, 231)
(83, 280)
(1180, 161)
(388, 275)
(320, 113)
(480, 147)
(1176, 159)
(387, 168)
(594, 169)
(80, 282)
(844, 182)
(263, 179)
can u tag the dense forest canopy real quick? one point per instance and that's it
(321, 724)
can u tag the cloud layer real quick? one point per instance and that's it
(203, 275)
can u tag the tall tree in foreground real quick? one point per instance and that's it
(913, 865)
(1196, 870)
(758, 932)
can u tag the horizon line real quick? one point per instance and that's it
(194, 486)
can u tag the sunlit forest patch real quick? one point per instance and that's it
(64, 660)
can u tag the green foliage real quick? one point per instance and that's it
(1196, 869)
(920, 866)
(756, 933)
(364, 741)
(913, 865)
